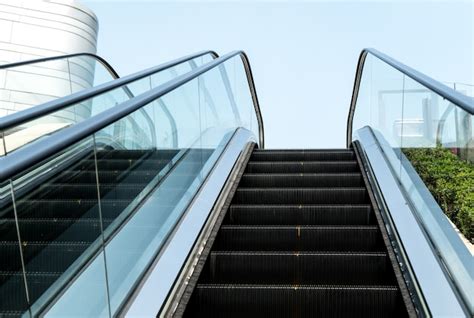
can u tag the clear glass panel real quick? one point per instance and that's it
(380, 105)
(202, 117)
(37, 83)
(107, 204)
(83, 73)
(88, 298)
(12, 284)
(57, 204)
(178, 171)
(429, 143)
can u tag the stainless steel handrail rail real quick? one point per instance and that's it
(460, 100)
(26, 157)
(63, 102)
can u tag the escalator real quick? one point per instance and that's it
(63, 209)
(163, 201)
(300, 239)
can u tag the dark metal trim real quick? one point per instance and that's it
(256, 104)
(460, 100)
(63, 102)
(27, 157)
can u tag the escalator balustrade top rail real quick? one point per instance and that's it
(27, 115)
(462, 101)
(18, 161)
(99, 59)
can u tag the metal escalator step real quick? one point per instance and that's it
(65, 230)
(303, 155)
(12, 287)
(11, 313)
(333, 268)
(301, 166)
(238, 300)
(41, 256)
(287, 180)
(301, 196)
(136, 154)
(10, 256)
(108, 177)
(299, 214)
(122, 164)
(298, 238)
(89, 191)
(72, 209)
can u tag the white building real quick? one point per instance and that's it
(31, 29)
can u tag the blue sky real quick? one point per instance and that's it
(303, 53)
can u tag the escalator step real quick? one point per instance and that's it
(136, 154)
(41, 256)
(229, 300)
(89, 191)
(66, 230)
(301, 166)
(302, 180)
(302, 155)
(298, 238)
(299, 214)
(13, 297)
(301, 196)
(10, 256)
(298, 268)
(72, 209)
(107, 177)
(11, 313)
(122, 165)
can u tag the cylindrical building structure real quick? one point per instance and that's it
(32, 29)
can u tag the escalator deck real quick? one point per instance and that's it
(300, 239)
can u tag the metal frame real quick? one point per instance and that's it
(256, 104)
(63, 102)
(26, 157)
(463, 101)
(436, 293)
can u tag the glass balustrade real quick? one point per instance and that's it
(92, 218)
(429, 143)
(74, 74)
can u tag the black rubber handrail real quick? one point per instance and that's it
(63, 57)
(462, 101)
(26, 157)
(27, 115)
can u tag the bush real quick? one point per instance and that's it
(450, 181)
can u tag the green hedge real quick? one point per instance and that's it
(451, 181)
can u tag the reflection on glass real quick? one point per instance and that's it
(32, 84)
(76, 72)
